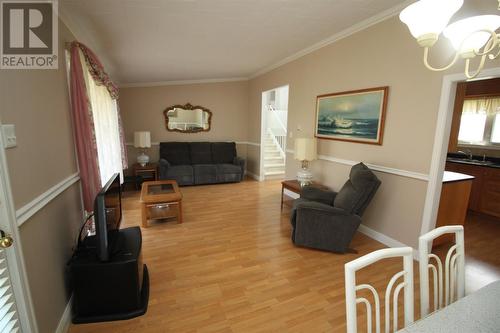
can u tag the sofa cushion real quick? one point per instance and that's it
(228, 173)
(182, 174)
(205, 173)
(201, 152)
(356, 192)
(223, 152)
(176, 153)
(228, 168)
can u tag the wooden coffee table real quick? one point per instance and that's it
(160, 199)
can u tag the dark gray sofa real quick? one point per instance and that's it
(328, 220)
(196, 163)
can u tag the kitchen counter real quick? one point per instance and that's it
(453, 203)
(450, 176)
(489, 162)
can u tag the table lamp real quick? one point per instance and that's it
(305, 151)
(142, 140)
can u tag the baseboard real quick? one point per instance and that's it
(384, 239)
(253, 175)
(65, 320)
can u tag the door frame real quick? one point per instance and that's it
(441, 138)
(263, 118)
(14, 254)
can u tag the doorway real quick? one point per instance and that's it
(274, 120)
(464, 143)
(16, 313)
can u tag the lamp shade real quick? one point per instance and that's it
(465, 35)
(305, 149)
(429, 17)
(142, 139)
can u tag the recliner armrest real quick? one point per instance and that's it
(315, 194)
(320, 207)
(324, 227)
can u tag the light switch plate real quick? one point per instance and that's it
(9, 135)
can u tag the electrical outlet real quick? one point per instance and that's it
(9, 136)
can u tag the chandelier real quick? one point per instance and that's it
(471, 37)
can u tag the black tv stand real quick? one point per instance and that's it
(111, 290)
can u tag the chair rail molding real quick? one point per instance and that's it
(24, 213)
(380, 168)
(237, 142)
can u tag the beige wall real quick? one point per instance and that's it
(142, 110)
(382, 55)
(37, 102)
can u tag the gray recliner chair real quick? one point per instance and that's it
(328, 220)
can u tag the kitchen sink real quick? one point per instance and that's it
(468, 161)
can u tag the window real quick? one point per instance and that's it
(106, 127)
(480, 122)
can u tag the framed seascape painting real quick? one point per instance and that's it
(356, 116)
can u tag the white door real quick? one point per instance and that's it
(14, 314)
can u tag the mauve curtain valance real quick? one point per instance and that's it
(96, 69)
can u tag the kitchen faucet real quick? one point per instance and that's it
(467, 153)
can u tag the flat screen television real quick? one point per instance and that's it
(107, 216)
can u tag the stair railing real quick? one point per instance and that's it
(278, 135)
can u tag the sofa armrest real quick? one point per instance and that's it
(241, 163)
(319, 195)
(163, 166)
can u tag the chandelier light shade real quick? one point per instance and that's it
(426, 19)
(475, 29)
(471, 37)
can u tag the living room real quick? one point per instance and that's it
(372, 49)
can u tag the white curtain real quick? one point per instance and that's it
(475, 114)
(107, 132)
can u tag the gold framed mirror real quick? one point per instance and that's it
(187, 118)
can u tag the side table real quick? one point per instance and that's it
(293, 185)
(148, 172)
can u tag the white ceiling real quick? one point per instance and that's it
(169, 40)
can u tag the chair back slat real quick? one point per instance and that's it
(453, 286)
(406, 253)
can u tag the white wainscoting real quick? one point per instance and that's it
(24, 213)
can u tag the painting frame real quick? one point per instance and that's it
(373, 101)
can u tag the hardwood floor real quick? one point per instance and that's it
(482, 243)
(231, 267)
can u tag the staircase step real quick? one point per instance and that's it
(274, 165)
(275, 159)
(274, 173)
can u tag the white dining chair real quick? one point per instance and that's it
(406, 253)
(454, 269)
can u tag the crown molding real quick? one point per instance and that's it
(180, 82)
(386, 14)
